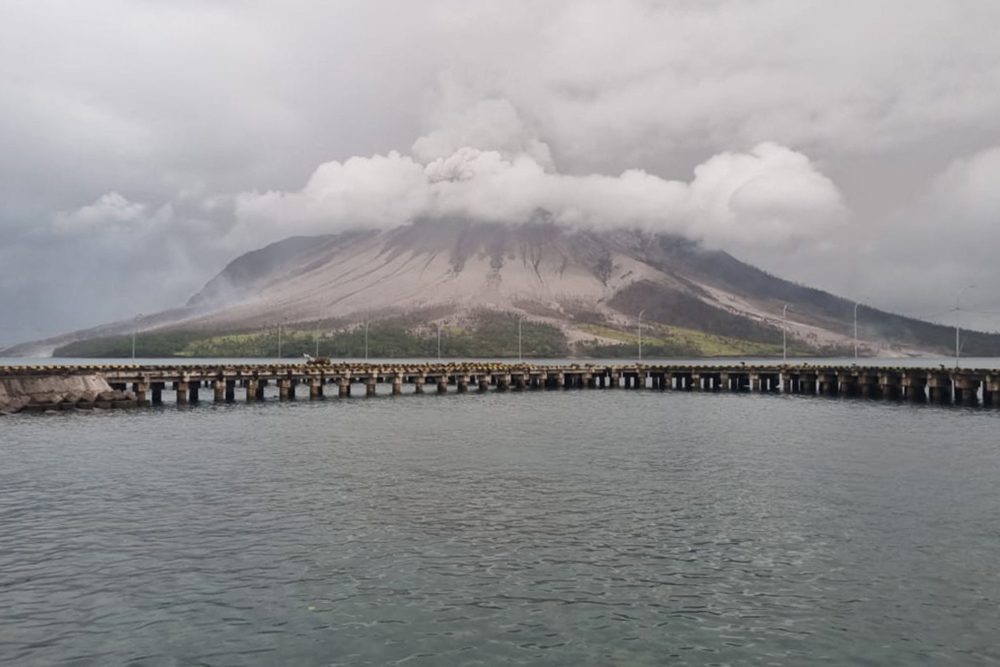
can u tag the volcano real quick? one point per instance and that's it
(591, 286)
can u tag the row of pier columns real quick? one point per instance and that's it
(894, 384)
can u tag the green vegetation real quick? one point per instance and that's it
(153, 344)
(493, 335)
(661, 341)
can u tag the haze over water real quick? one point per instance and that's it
(558, 528)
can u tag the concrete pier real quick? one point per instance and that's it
(969, 387)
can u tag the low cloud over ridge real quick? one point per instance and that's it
(770, 196)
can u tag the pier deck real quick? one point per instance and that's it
(297, 380)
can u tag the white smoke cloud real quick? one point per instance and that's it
(770, 196)
(489, 125)
(112, 213)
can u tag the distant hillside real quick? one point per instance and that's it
(586, 289)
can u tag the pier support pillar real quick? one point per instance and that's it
(889, 385)
(915, 384)
(284, 389)
(967, 389)
(848, 384)
(868, 385)
(182, 392)
(442, 384)
(251, 386)
(519, 382)
(616, 380)
(991, 391)
(315, 388)
(463, 383)
(503, 382)
(370, 385)
(140, 389)
(397, 384)
(827, 383)
(483, 382)
(939, 387)
(219, 391)
(418, 384)
(754, 382)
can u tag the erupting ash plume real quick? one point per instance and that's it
(769, 196)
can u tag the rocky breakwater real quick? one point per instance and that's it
(52, 393)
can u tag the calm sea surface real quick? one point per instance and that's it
(558, 528)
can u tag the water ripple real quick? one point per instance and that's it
(558, 528)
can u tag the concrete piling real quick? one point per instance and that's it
(967, 386)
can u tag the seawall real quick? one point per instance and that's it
(37, 393)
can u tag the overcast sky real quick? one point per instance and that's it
(850, 145)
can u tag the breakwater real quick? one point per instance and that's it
(134, 385)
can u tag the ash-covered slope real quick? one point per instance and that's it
(572, 278)
(591, 285)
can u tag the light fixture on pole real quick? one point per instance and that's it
(784, 333)
(958, 307)
(135, 328)
(856, 304)
(640, 333)
(519, 321)
(366, 341)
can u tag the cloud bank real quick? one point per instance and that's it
(769, 196)
(849, 145)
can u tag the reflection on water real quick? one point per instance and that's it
(569, 528)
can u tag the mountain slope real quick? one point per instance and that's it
(449, 270)
(592, 286)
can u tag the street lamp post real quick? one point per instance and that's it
(784, 333)
(366, 341)
(279, 340)
(439, 341)
(958, 299)
(519, 321)
(856, 304)
(135, 328)
(640, 332)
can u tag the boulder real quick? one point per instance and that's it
(14, 404)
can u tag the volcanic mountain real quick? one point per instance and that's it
(592, 287)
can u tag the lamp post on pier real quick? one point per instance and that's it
(519, 321)
(784, 334)
(366, 341)
(958, 307)
(640, 332)
(135, 329)
(856, 304)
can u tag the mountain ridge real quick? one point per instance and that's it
(582, 282)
